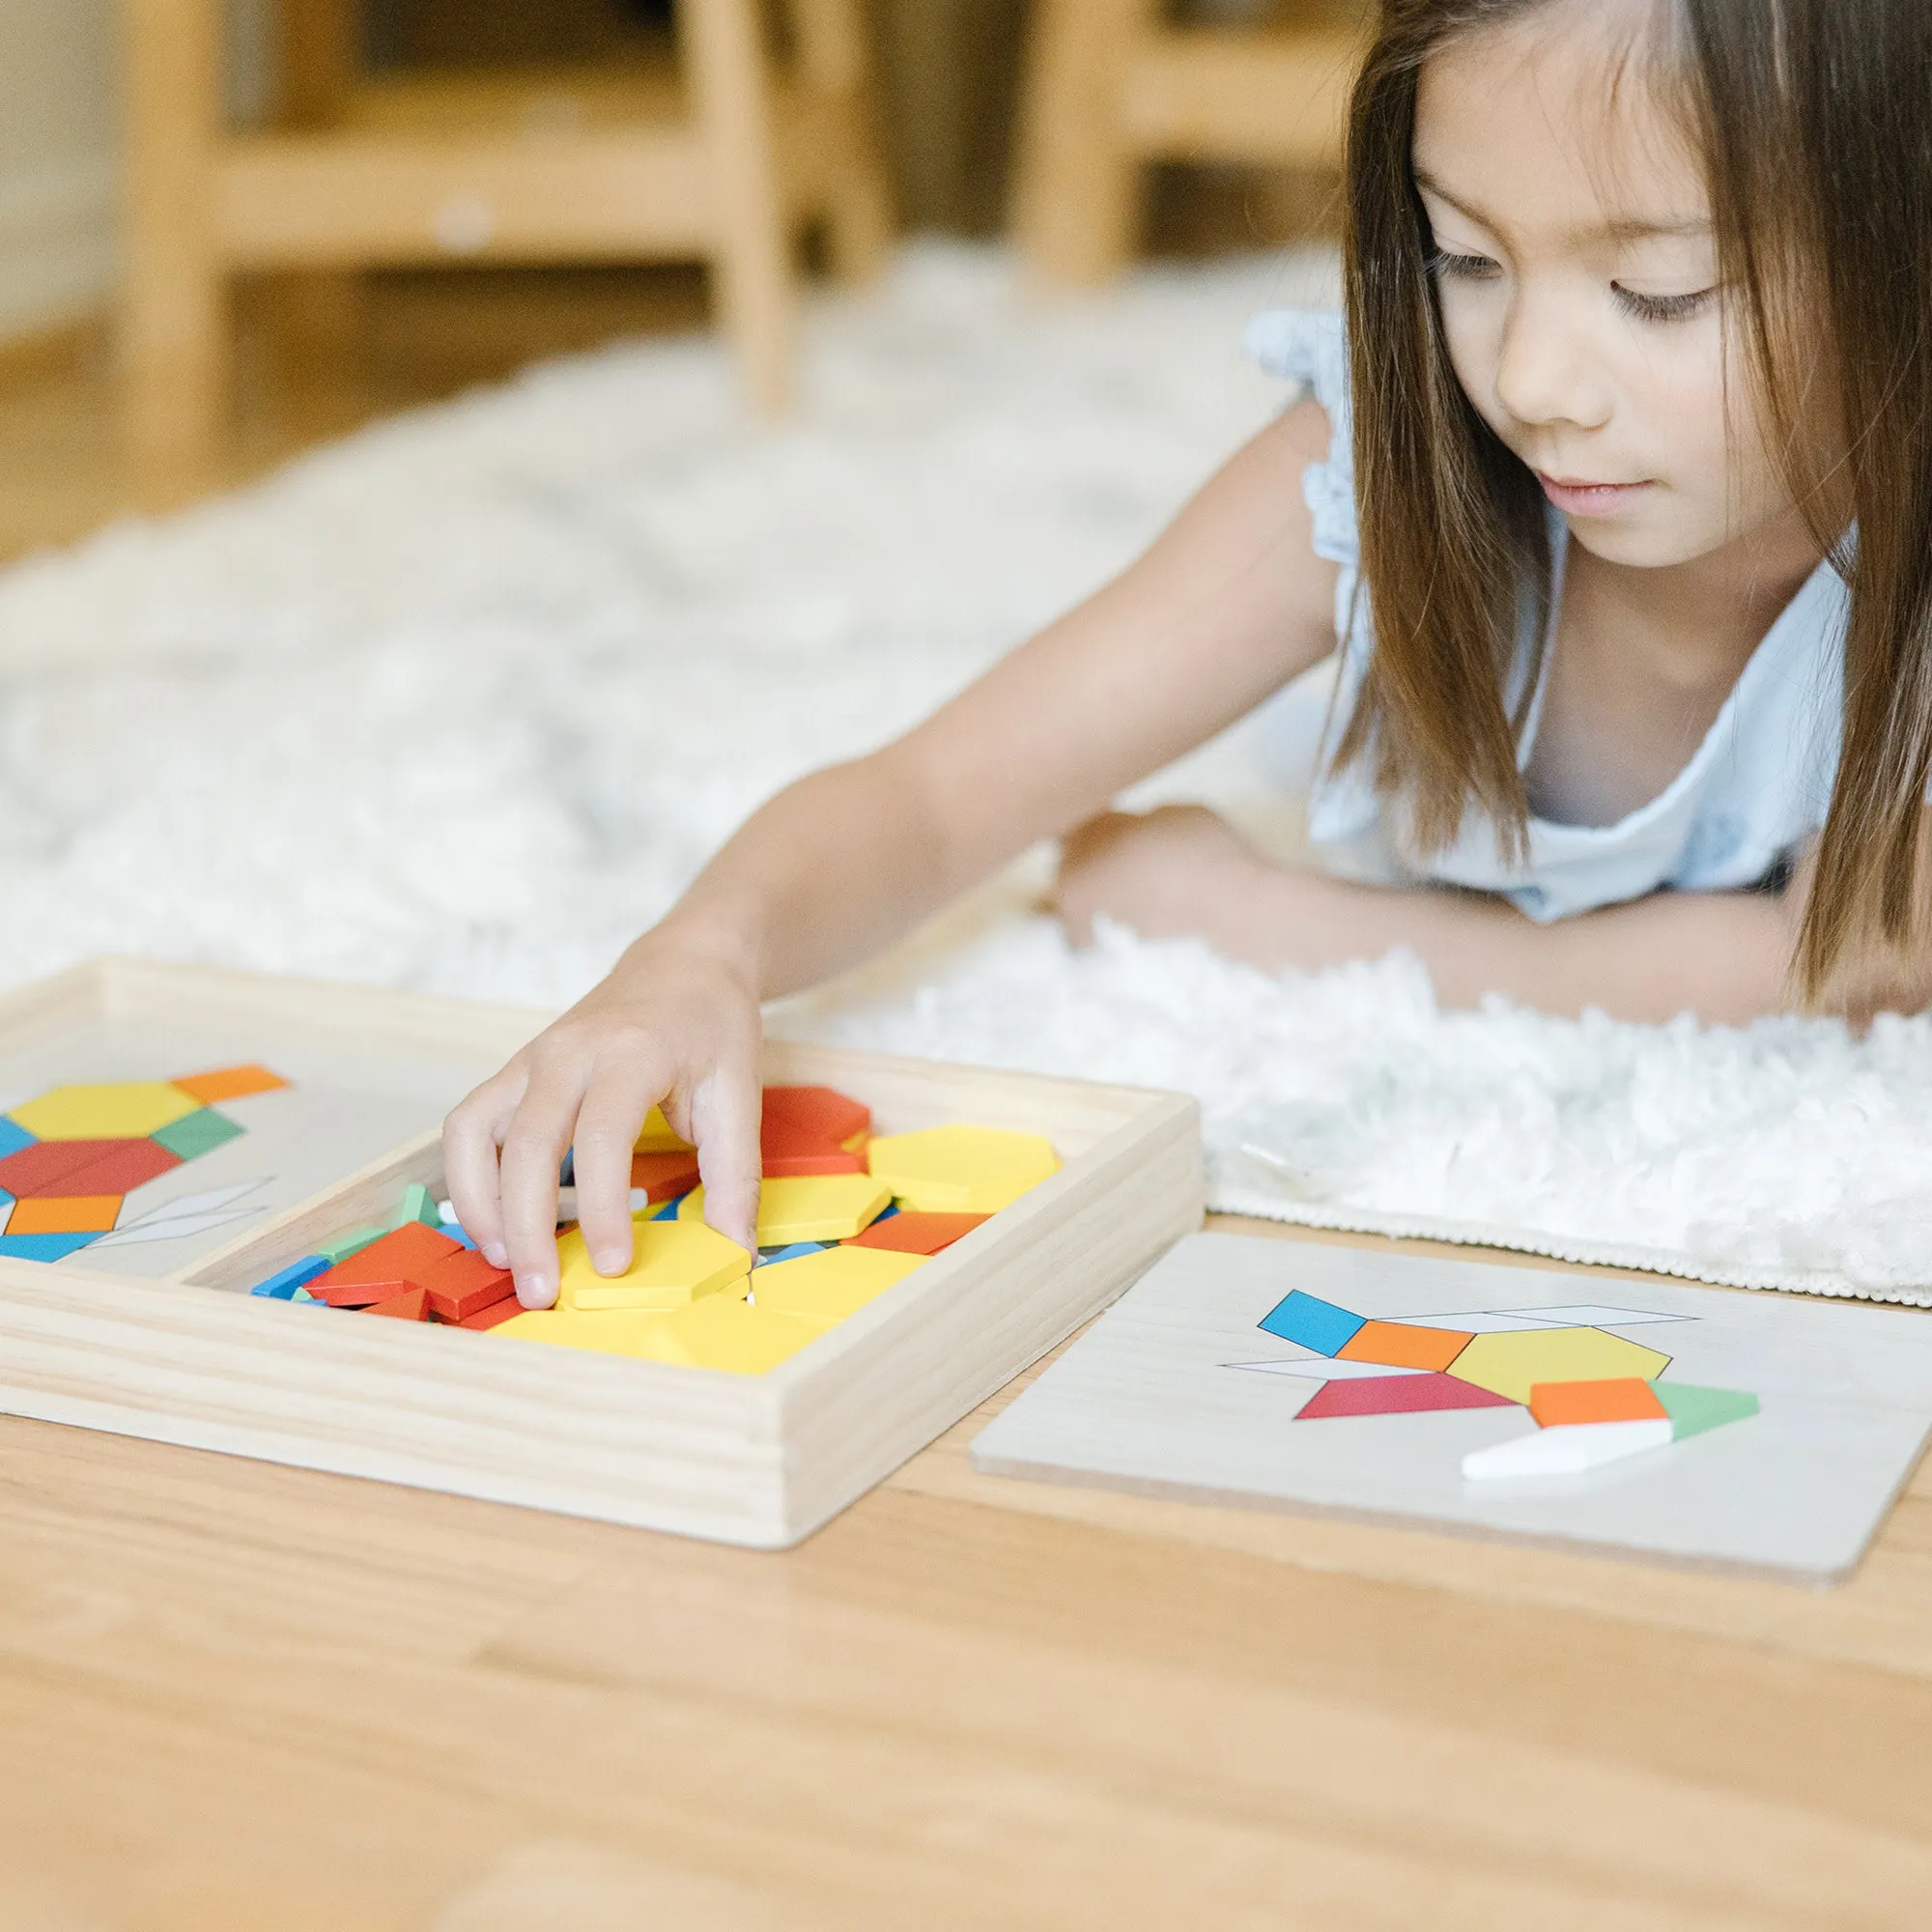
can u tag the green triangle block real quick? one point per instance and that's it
(418, 1204)
(197, 1134)
(1692, 1411)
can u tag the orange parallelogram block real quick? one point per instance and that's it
(1393, 1346)
(1623, 1399)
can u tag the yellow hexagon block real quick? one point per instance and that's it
(1509, 1364)
(829, 1286)
(814, 1207)
(725, 1332)
(961, 1170)
(673, 1264)
(130, 1110)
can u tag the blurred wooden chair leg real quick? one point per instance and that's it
(834, 69)
(1076, 198)
(174, 338)
(751, 243)
(319, 313)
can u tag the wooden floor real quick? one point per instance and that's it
(236, 1696)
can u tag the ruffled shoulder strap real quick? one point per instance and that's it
(1307, 346)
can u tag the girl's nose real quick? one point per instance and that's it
(1547, 370)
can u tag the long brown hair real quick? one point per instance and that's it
(1815, 121)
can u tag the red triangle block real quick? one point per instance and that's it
(1397, 1395)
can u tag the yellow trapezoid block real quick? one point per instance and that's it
(827, 1287)
(1509, 1363)
(811, 1207)
(672, 1265)
(657, 1135)
(126, 1109)
(961, 1170)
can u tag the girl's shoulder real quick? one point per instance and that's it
(1307, 346)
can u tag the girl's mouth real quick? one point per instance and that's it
(1578, 498)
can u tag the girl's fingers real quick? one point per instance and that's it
(534, 1152)
(725, 1115)
(607, 1122)
(471, 1136)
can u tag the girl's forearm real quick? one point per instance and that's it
(821, 876)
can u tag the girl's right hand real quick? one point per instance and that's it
(675, 1024)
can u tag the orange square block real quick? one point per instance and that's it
(1394, 1346)
(1624, 1399)
(77, 1214)
(229, 1083)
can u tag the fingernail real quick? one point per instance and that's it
(612, 1261)
(536, 1292)
(495, 1253)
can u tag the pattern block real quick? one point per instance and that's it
(915, 1233)
(1309, 1322)
(1563, 1404)
(827, 1287)
(12, 1136)
(1565, 1452)
(822, 1207)
(961, 1170)
(1396, 1395)
(197, 1133)
(125, 1110)
(132, 1164)
(672, 1262)
(1513, 1364)
(664, 1176)
(229, 1083)
(1692, 1410)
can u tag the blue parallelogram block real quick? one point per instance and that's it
(669, 1211)
(43, 1247)
(13, 1137)
(297, 1274)
(1313, 1323)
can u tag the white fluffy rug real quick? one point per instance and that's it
(462, 702)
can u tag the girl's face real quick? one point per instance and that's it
(1577, 277)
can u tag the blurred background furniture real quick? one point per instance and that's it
(711, 149)
(1114, 85)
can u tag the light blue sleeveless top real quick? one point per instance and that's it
(1755, 790)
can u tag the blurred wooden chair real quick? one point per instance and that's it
(710, 155)
(1113, 85)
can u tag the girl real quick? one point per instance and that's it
(1617, 495)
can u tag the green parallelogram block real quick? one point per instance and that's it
(351, 1244)
(1692, 1411)
(197, 1134)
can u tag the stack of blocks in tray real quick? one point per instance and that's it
(841, 1218)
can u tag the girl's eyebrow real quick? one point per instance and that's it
(1619, 228)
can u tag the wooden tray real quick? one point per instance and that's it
(187, 1356)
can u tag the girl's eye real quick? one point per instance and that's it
(1463, 267)
(1660, 308)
